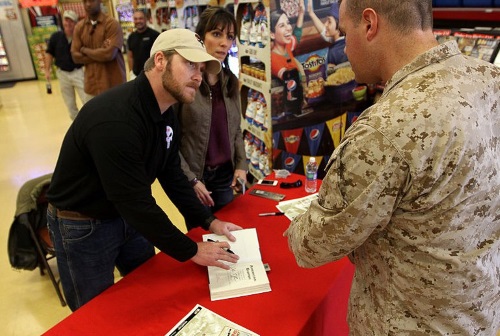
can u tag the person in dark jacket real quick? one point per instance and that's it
(102, 213)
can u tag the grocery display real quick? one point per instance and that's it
(294, 105)
(38, 44)
(169, 14)
(475, 43)
(476, 30)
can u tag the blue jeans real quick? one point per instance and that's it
(87, 252)
(219, 181)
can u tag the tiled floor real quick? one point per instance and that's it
(32, 126)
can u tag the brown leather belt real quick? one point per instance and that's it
(68, 214)
(211, 169)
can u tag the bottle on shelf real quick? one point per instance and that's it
(293, 89)
(311, 176)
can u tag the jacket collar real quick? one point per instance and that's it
(147, 98)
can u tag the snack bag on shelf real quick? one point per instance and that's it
(264, 30)
(254, 29)
(250, 110)
(246, 24)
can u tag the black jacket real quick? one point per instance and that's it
(117, 146)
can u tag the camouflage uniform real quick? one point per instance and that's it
(412, 195)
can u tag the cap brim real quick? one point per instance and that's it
(213, 65)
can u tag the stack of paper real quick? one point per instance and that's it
(297, 206)
(247, 276)
(203, 321)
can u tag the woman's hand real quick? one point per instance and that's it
(239, 174)
(203, 194)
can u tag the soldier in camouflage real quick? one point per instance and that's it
(412, 194)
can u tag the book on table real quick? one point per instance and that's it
(203, 321)
(247, 276)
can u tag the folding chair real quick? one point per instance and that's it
(31, 212)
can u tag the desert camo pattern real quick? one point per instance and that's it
(412, 196)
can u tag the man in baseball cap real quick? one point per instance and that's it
(69, 14)
(122, 141)
(69, 73)
(187, 44)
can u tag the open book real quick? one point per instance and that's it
(203, 321)
(247, 276)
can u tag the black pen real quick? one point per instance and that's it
(271, 214)
(213, 241)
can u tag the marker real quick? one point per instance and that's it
(271, 214)
(213, 241)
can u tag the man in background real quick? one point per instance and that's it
(70, 75)
(139, 44)
(412, 193)
(97, 43)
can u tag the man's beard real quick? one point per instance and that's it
(174, 88)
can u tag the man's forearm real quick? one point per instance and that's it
(80, 58)
(99, 54)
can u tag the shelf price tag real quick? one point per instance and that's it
(250, 51)
(254, 82)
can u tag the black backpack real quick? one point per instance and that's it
(31, 215)
(21, 247)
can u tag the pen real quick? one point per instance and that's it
(271, 214)
(213, 241)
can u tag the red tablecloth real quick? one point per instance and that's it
(153, 298)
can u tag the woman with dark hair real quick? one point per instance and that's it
(212, 149)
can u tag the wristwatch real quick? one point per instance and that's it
(194, 181)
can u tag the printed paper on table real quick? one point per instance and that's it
(203, 321)
(294, 207)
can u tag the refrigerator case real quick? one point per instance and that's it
(15, 58)
(4, 60)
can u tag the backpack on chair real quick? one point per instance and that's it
(29, 218)
(21, 247)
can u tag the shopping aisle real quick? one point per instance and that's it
(32, 126)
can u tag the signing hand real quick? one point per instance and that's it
(213, 253)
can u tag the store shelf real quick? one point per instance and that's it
(256, 172)
(255, 83)
(259, 133)
(251, 51)
(468, 14)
